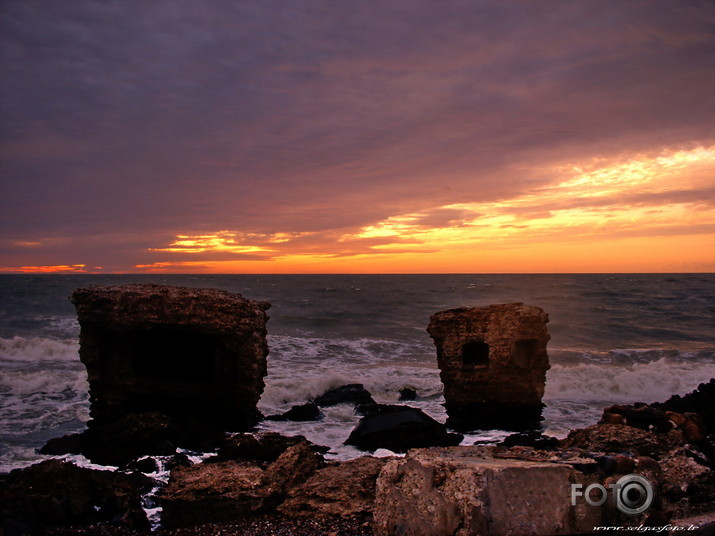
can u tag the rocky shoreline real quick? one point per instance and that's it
(269, 484)
(171, 370)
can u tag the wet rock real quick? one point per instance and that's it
(135, 436)
(339, 490)
(399, 428)
(189, 353)
(178, 460)
(701, 401)
(407, 394)
(353, 393)
(143, 465)
(465, 490)
(57, 494)
(493, 364)
(530, 439)
(261, 448)
(643, 417)
(68, 444)
(303, 412)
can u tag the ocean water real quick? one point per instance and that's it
(614, 338)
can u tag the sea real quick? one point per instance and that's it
(615, 338)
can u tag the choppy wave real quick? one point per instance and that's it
(43, 394)
(43, 386)
(38, 349)
(646, 382)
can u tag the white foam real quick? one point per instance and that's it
(22, 349)
(645, 382)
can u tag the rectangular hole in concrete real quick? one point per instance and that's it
(165, 354)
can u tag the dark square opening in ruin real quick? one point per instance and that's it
(173, 355)
(523, 352)
(475, 354)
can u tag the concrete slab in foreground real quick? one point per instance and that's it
(465, 491)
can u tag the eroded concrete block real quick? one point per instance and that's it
(190, 353)
(463, 491)
(493, 364)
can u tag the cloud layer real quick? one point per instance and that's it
(292, 128)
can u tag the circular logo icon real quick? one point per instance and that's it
(634, 494)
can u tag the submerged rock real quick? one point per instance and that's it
(493, 364)
(354, 393)
(400, 428)
(300, 413)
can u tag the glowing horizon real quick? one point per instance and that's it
(488, 137)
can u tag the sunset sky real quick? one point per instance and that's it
(301, 136)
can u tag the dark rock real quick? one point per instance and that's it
(531, 439)
(407, 394)
(69, 444)
(261, 448)
(57, 494)
(303, 412)
(353, 393)
(701, 401)
(400, 430)
(380, 409)
(607, 464)
(178, 460)
(131, 437)
(493, 364)
(143, 465)
(135, 436)
(190, 353)
(639, 416)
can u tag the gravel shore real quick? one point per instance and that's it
(266, 525)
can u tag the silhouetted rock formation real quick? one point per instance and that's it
(185, 352)
(493, 364)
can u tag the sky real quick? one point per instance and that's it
(394, 136)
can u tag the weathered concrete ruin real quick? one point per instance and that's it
(189, 353)
(463, 491)
(493, 364)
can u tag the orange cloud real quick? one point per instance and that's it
(599, 215)
(60, 268)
